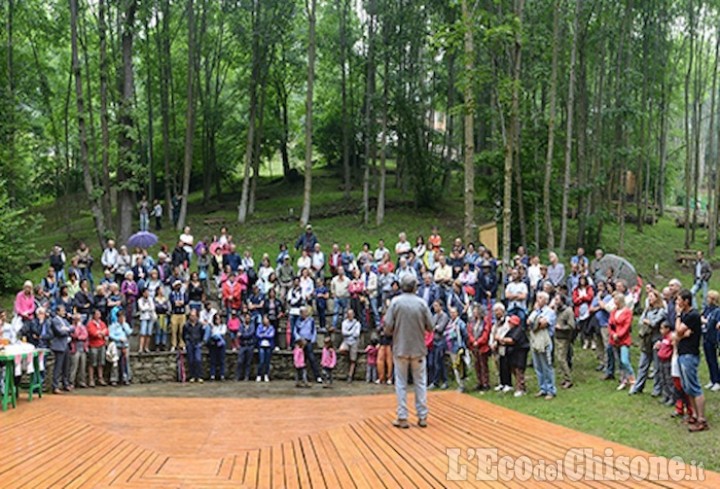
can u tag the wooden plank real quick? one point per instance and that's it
(76, 465)
(355, 462)
(404, 474)
(311, 462)
(264, 475)
(122, 450)
(250, 478)
(53, 459)
(302, 465)
(327, 469)
(289, 466)
(513, 431)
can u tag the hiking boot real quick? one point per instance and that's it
(401, 423)
(422, 423)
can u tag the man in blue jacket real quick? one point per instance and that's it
(305, 329)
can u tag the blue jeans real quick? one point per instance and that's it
(697, 287)
(194, 357)
(144, 222)
(626, 369)
(542, 362)
(689, 375)
(340, 307)
(418, 367)
(161, 334)
(264, 355)
(322, 317)
(710, 348)
(609, 353)
(294, 318)
(437, 364)
(146, 327)
(375, 312)
(644, 368)
(217, 361)
(310, 359)
(244, 363)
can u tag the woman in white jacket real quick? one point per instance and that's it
(146, 308)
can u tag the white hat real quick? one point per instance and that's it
(177, 282)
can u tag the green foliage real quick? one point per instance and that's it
(17, 230)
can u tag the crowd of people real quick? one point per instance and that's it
(206, 294)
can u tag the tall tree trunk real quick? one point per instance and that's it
(551, 126)
(380, 215)
(189, 115)
(469, 96)
(712, 163)
(369, 122)
(569, 128)
(95, 208)
(104, 117)
(163, 44)
(258, 144)
(10, 94)
(698, 97)
(662, 144)
(126, 140)
(620, 133)
(83, 39)
(450, 123)
(342, 8)
(150, 116)
(310, 6)
(511, 138)
(250, 142)
(688, 139)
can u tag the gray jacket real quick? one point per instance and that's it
(61, 331)
(705, 270)
(407, 319)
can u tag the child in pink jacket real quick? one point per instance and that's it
(299, 363)
(328, 362)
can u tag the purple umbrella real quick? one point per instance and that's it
(143, 239)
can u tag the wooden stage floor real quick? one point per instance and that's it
(330, 442)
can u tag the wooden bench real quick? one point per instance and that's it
(215, 221)
(685, 257)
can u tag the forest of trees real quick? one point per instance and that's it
(543, 111)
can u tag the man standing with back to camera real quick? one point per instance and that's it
(407, 319)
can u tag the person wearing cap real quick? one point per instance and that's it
(516, 350)
(407, 319)
(178, 304)
(307, 240)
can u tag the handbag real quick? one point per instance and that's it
(264, 343)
